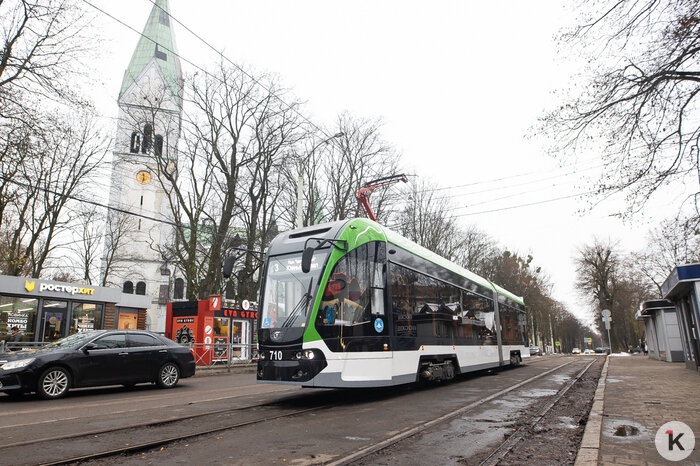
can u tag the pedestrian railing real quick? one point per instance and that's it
(223, 355)
(6, 346)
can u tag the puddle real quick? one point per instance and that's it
(566, 422)
(540, 392)
(559, 379)
(624, 430)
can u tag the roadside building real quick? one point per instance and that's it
(682, 288)
(46, 310)
(663, 334)
(217, 329)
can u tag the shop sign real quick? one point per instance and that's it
(18, 319)
(57, 287)
(240, 314)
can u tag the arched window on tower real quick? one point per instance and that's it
(135, 142)
(158, 146)
(141, 288)
(128, 287)
(147, 136)
(179, 291)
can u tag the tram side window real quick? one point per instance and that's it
(403, 283)
(478, 318)
(509, 323)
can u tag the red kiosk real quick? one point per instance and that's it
(210, 326)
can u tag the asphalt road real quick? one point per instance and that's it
(341, 421)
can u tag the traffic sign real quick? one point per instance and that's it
(557, 343)
(605, 313)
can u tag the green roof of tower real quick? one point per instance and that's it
(156, 42)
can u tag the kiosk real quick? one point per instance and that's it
(217, 329)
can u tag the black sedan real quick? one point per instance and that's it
(99, 357)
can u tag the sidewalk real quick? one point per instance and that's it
(643, 394)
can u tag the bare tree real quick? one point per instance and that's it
(427, 219)
(63, 153)
(640, 107)
(362, 155)
(117, 229)
(674, 242)
(223, 183)
(43, 42)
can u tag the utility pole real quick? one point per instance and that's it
(551, 333)
(605, 313)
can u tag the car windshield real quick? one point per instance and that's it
(73, 341)
(285, 303)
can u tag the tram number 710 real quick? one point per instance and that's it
(275, 355)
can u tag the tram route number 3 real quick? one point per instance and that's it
(275, 355)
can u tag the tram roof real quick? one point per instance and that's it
(294, 240)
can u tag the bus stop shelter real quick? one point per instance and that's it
(663, 334)
(682, 288)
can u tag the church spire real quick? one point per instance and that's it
(157, 42)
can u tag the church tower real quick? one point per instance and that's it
(148, 128)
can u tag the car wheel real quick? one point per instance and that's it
(168, 375)
(53, 383)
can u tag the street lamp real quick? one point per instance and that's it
(300, 180)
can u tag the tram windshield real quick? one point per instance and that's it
(287, 299)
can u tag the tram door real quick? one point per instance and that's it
(240, 339)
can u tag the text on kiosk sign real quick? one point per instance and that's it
(60, 288)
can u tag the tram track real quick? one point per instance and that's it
(164, 441)
(150, 436)
(499, 453)
(501, 450)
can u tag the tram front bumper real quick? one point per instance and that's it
(301, 370)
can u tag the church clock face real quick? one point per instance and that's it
(143, 177)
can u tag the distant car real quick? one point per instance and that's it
(576, 351)
(602, 350)
(98, 357)
(588, 351)
(535, 351)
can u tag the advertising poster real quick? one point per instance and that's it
(183, 329)
(19, 320)
(85, 323)
(52, 328)
(126, 321)
(220, 348)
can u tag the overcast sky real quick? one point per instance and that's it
(458, 85)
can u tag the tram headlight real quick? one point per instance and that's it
(299, 355)
(309, 354)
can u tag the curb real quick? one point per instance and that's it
(234, 369)
(590, 444)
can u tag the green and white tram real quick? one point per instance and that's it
(353, 304)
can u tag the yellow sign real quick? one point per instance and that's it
(30, 286)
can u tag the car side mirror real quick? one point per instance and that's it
(306, 257)
(90, 346)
